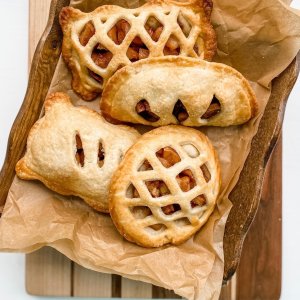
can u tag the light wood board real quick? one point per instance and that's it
(259, 273)
(49, 273)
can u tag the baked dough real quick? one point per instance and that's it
(97, 44)
(178, 90)
(74, 151)
(166, 187)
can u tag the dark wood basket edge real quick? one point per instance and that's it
(43, 66)
(233, 242)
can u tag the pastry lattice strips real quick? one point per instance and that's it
(178, 90)
(166, 187)
(97, 44)
(74, 151)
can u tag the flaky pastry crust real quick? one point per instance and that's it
(198, 40)
(150, 220)
(164, 81)
(53, 157)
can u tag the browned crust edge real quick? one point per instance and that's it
(66, 16)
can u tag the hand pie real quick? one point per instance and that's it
(178, 90)
(74, 151)
(166, 187)
(97, 44)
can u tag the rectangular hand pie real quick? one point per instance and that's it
(97, 44)
(178, 90)
(74, 151)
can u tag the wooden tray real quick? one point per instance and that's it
(247, 192)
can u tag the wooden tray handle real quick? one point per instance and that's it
(247, 193)
(42, 69)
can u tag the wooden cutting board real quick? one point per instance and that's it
(49, 273)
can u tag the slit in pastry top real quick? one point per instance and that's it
(179, 90)
(79, 156)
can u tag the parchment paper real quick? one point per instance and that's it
(260, 39)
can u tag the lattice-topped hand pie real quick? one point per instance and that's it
(166, 187)
(74, 151)
(178, 90)
(97, 44)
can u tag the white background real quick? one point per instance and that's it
(13, 82)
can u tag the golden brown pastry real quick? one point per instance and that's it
(74, 151)
(178, 90)
(166, 187)
(97, 44)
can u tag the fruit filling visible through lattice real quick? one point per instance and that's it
(171, 189)
(106, 42)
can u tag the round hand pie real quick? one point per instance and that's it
(166, 187)
(74, 151)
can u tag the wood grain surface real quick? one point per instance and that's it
(37, 24)
(259, 273)
(87, 283)
(246, 194)
(50, 273)
(42, 69)
(47, 271)
(228, 291)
